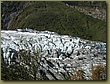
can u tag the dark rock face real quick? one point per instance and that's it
(11, 9)
(60, 56)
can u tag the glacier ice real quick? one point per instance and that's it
(65, 53)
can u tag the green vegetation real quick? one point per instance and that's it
(57, 17)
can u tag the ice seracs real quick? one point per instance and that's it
(61, 54)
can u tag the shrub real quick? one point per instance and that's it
(99, 72)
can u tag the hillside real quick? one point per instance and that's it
(52, 16)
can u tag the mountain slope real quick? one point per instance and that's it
(57, 17)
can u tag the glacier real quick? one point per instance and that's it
(60, 55)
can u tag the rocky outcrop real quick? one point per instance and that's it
(93, 12)
(60, 56)
(10, 10)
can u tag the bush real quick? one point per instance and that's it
(99, 72)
